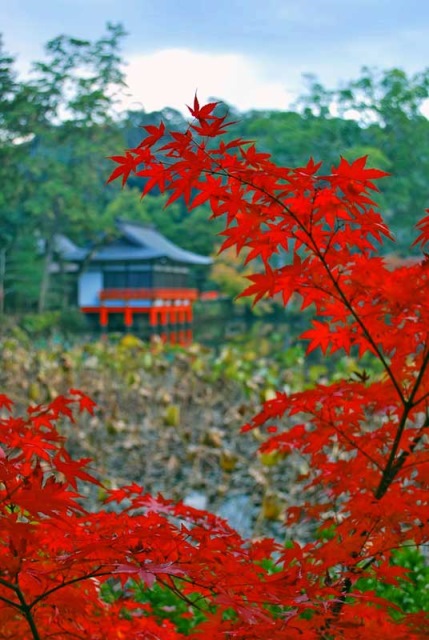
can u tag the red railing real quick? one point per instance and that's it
(151, 294)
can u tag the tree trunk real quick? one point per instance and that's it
(46, 276)
(2, 279)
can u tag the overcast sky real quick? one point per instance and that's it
(250, 53)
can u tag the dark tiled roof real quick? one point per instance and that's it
(139, 243)
(149, 237)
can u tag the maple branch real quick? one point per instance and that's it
(347, 303)
(180, 595)
(357, 446)
(312, 245)
(347, 583)
(8, 496)
(419, 379)
(346, 588)
(387, 476)
(11, 603)
(26, 610)
(360, 322)
(67, 583)
(6, 600)
(7, 584)
(405, 454)
(415, 464)
(423, 397)
(368, 563)
(388, 473)
(339, 604)
(420, 376)
(23, 606)
(394, 466)
(197, 584)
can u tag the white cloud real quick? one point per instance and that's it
(170, 78)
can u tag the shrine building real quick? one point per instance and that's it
(140, 281)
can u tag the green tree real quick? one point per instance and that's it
(291, 137)
(15, 113)
(188, 229)
(72, 97)
(387, 106)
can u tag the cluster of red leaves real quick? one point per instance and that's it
(55, 556)
(318, 240)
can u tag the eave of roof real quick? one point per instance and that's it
(145, 244)
(107, 254)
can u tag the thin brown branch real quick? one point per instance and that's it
(172, 587)
(11, 603)
(95, 574)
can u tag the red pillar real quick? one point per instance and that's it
(188, 319)
(128, 317)
(181, 319)
(181, 315)
(189, 313)
(172, 315)
(153, 316)
(163, 313)
(104, 317)
(173, 320)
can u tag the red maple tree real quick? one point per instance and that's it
(55, 556)
(318, 237)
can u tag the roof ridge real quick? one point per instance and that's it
(136, 223)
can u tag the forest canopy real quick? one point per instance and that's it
(57, 125)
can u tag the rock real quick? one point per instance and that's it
(238, 511)
(196, 499)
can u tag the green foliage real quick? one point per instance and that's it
(229, 275)
(292, 137)
(387, 108)
(61, 120)
(187, 228)
(39, 324)
(159, 602)
(165, 604)
(411, 594)
(54, 323)
(54, 128)
(22, 273)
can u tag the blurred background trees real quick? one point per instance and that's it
(58, 125)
